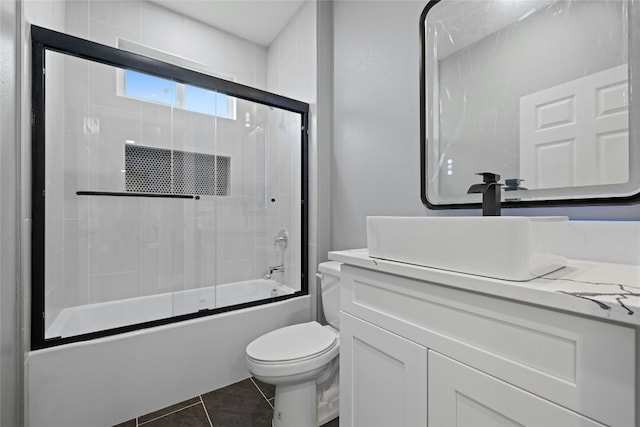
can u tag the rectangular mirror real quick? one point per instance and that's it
(534, 90)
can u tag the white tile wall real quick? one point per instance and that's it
(291, 71)
(112, 248)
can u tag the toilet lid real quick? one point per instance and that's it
(292, 342)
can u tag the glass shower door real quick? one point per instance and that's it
(157, 200)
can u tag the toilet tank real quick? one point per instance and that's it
(330, 286)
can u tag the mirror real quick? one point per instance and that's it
(533, 90)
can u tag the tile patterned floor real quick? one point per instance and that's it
(248, 403)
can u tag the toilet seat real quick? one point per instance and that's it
(294, 343)
(296, 351)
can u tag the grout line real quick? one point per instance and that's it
(169, 413)
(265, 397)
(206, 411)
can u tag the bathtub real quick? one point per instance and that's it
(107, 315)
(106, 381)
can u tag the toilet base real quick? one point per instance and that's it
(328, 399)
(295, 405)
(308, 403)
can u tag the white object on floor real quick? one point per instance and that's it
(302, 362)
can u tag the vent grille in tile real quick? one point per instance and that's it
(159, 170)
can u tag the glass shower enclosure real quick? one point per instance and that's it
(159, 194)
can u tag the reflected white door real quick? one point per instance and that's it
(576, 133)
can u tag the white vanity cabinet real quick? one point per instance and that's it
(388, 385)
(465, 397)
(417, 353)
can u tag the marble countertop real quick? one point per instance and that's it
(596, 289)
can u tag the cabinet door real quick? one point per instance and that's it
(461, 396)
(383, 377)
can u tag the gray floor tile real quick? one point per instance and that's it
(130, 423)
(268, 390)
(167, 410)
(238, 405)
(193, 416)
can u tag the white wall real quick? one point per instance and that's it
(375, 169)
(320, 164)
(376, 123)
(10, 307)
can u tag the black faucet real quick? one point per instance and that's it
(490, 189)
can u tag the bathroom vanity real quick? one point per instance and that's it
(424, 346)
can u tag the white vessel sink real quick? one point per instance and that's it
(503, 247)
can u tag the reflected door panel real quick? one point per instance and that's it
(576, 134)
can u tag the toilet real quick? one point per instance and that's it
(302, 361)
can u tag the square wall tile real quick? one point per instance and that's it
(77, 18)
(156, 125)
(106, 147)
(155, 23)
(237, 51)
(150, 269)
(76, 175)
(107, 33)
(260, 67)
(204, 44)
(237, 271)
(114, 234)
(122, 14)
(76, 92)
(112, 287)
(106, 86)
(194, 132)
(76, 262)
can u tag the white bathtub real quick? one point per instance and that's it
(107, 315)
(106, 381)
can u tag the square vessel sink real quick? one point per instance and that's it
(502, 247)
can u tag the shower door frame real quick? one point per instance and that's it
(45, 39)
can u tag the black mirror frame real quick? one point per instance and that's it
(623, 200)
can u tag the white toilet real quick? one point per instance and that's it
(302, 361)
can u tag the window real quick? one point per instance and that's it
(191, 98)
(207, 102)
(164, 91)
(149, 88)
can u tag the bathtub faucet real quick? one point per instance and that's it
(272, 269)
(276, 268)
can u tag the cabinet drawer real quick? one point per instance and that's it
(460, 396)
(583, 364)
